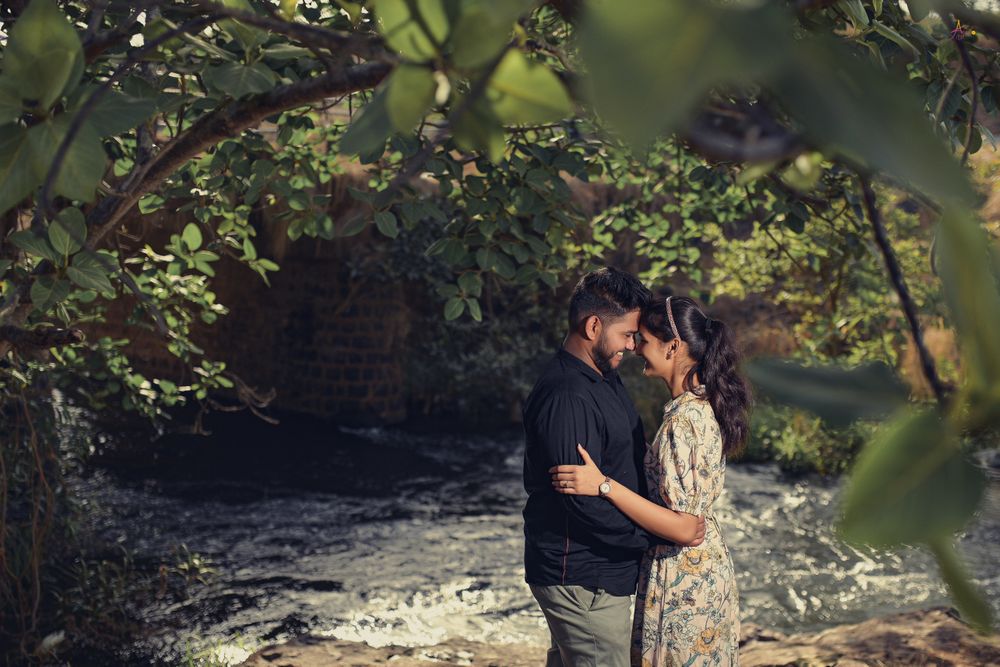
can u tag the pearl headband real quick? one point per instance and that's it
(670, 316)
(673, 325)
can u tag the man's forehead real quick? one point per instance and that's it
(627, 322)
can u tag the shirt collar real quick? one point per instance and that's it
(570, 359)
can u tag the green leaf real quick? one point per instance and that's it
(44, 57)
(287, 8)
(150, 203)
(483, 29)
(409, 94)
(838, 395)
(977, 139)
(34, 244)
(10, 104)
(192, 236)
(4, 265)
(68, 232)
(448, 291)
(474, 309)
(353, 226)
(894, 36)
(855, 11)
(386, 223)
(911, 483)
(504, 267)
(750, 174)
(454, 308)
(973, 606)
(286, 52)
(415, 37)
(89, 273)
(521, 91)
(116, 113)
(919, 9)
(486, 258)
(202, 261)
(47, 291)
(18, 175)
(237, 80)
(249, 250)
(969, 275)
(526, 275)
(84, 164)
(855, 108)
(369, 129)
(471, 283)
(479, 129)
(804, 172)
(454, 251)
(353, 10)
(651, 65)
(247, 36)
(436, 248)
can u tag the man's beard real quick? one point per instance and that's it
(603, 356)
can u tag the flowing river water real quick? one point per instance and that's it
(397, 537)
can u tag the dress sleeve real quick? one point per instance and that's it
(691, 461)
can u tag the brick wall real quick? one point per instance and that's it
(328, 343)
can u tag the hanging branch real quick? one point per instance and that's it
(224, 122)
(967, 62)
(312, 36)
(898, 282)
(41, 337)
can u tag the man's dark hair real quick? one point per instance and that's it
(608, 293)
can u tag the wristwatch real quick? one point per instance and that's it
(605, 488)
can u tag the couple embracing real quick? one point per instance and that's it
(633, 512)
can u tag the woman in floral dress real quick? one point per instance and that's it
(687, 607)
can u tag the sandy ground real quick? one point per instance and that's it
(928, 637)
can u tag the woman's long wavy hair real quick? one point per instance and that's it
(712, 346)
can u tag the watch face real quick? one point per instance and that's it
(604, 488)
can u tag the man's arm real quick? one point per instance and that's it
(563, 421)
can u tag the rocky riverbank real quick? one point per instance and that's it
(927, 637)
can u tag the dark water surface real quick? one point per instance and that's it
(391, 536)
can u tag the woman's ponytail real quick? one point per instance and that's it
(726, 389)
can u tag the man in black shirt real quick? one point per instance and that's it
(581, 553)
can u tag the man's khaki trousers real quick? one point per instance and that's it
(589, 626)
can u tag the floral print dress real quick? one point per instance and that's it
(687, 607)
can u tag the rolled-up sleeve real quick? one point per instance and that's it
(563, 421)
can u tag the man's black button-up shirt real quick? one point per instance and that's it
(581, 540)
